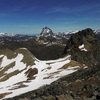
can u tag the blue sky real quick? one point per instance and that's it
(30, 16)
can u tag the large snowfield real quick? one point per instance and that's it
(48, 72)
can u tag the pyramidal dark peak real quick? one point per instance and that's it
(46, 31)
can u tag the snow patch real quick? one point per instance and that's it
(48, 72)
(48, 30)
(6, 61)
(82, 48)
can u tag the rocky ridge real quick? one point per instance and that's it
(84, 47)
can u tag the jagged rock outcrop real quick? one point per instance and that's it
(84, 47)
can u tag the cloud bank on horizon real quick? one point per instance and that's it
(29, 16)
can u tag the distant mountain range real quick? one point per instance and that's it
(46, 36)
(45, 42)
(14, 37)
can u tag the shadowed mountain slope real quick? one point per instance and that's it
(84, 47)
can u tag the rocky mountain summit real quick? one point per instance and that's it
(48, 37)
(46, 32)
(84, 47)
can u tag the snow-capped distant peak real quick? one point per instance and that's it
(7, 34)
(2, 33)
(46, 31)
